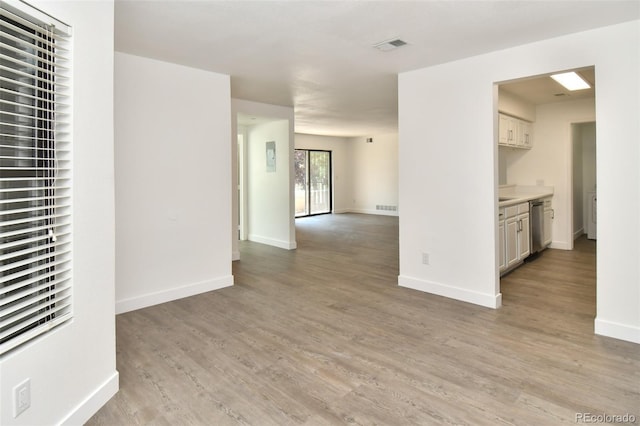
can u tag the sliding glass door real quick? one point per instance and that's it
(313, 182)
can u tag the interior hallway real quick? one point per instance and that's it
(323, 335)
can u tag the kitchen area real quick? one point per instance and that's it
(546, 167)
(525, 215)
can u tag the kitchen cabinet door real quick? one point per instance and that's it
(524, 236)
(501, 242)
(511, 241)
(548, 221)
(508, 131)
(525, 136)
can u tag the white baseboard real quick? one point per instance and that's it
(373, 211)
(176, 293)
(617, 331)
(561, 245)
(235, 255)
(578, 233)
(93, 402)
(287, 245)
(482, 299)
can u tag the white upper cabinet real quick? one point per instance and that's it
(525, 135)
(514, 132)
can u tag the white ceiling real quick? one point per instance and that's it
(317, 56)
(545, 90)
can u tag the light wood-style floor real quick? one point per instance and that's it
(322, 335)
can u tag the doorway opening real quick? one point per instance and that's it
(561, 155)
(313, 186)
(264, 189)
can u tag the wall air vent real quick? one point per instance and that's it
(388, 45)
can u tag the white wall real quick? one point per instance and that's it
(511, 104)
(341, 166)
(365, 174)
(73, 368)
(268, 206)
(551, 160)
(449, 123)
(173, 181)
(283, 201)
(375, 174)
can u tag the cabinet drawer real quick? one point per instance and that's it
(510, 211)
(547, 203)
(523, 208)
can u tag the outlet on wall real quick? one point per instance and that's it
(425, 258)
(21, 397)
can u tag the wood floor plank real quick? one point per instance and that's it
(323, 335)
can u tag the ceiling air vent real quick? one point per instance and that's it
(392, 44)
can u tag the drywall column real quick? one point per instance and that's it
(173, 181)
(268, 186)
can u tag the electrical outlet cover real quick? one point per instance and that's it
(21, 397)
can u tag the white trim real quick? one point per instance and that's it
(372, 211)
(287, 245)
(235, 255)
(33, 13)
(616, 330)
(561, 245)
(482, 299)
(93, 402)
(176, 293)
(578, 234)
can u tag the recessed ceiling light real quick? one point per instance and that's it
(571, 81)
(392, 44)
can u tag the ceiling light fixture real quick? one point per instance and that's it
(388, 45)
(571, 81)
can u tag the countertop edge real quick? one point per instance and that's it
(518, 199)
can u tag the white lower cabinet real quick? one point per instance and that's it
(517, 235)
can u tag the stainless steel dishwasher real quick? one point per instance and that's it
(536, 211)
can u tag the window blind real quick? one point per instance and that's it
(35, 174)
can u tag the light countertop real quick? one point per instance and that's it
(516, 194)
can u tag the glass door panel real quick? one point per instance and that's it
(312, 182)
(300, 166)
(320, 182)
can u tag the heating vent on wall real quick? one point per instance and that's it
(386, 208)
